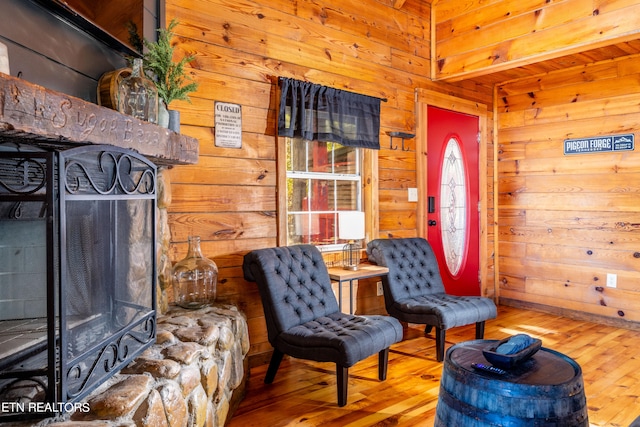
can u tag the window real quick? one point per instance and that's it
(322, 178)
(327, 151)
(453, 206)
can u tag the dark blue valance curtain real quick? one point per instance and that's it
(314, 112)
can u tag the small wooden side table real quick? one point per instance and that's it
(364, 271)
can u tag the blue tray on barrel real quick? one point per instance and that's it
(508, 361)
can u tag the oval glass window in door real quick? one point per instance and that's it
(453, 206)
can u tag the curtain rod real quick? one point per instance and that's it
(356, 93)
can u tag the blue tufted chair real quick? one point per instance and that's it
(303, 319)
(414, 293)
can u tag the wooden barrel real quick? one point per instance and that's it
(107, 91)
(546, 390)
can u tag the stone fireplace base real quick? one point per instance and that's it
(195, 375)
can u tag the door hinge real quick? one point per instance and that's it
(478, 137)
(479, 206)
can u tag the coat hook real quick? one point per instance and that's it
(391, 147)
(402, 135)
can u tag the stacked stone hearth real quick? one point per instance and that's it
(194, 375)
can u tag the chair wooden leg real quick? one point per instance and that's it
(428, 328)
(440, 339)
(383, 361)
(274, 364)
(479, 330)
(342, 378)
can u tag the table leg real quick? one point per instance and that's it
(350, 296)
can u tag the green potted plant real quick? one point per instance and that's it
(172, 81)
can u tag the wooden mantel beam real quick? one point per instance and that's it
(29, 112)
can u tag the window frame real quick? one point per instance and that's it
(334, 178)
(369, 194)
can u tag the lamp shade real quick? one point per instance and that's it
(351, 225)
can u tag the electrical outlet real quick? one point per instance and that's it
(379, 291)
(612, 280)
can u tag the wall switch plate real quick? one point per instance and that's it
(379, 291)
(612, 280)
(413, 194)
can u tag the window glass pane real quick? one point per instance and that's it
(321, 195)
(346, 160)
(319, 157)
(297, 158)
(312, 228)
(453, 206)
(297, 190)
(347, 195)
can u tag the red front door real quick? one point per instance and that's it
(452, 192)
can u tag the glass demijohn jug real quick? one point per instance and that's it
(137, 95)
(195, 278)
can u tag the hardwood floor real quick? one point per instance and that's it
(304, 393)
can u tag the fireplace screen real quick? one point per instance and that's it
(77, 271)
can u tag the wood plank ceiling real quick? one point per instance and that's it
(583, 58)
(578, 59)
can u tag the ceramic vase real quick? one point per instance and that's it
(174, 120)
(163, 115)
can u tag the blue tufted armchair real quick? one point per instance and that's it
(414, 292)
(303, 319)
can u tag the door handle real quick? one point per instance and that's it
(432, 223)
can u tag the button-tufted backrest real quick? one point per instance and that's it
(294, 285)
(413, 268)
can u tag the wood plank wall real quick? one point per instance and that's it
(229, 197)
(567, 221)
(477, 36)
